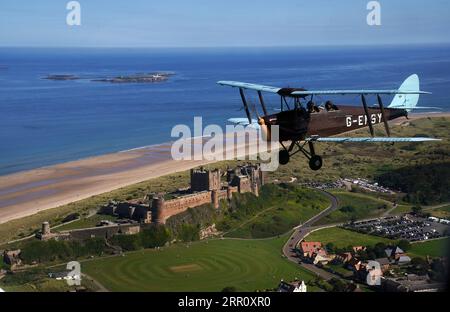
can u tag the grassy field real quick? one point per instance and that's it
(402, 208)
(342, 238)
(434, 248)
(443, 212)
(210, 265)
(357, 206)
(294, 206)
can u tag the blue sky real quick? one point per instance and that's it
(200, 23)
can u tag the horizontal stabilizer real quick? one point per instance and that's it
(370, 140)
(244, 122)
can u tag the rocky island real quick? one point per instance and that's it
(137, 78)
(61, 77)
(134, 78)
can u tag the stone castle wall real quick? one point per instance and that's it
(178, 205)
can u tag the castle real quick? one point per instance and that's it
(206, 187)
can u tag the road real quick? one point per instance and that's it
(303, 230)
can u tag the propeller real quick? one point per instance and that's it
(265, 130)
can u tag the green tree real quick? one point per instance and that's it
(154, 236)
(419, 266)
(127, 242)
(404, 244)
(330, 247)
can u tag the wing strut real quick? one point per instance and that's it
(261, 100)
(386, 125)
(244, 101)
(369, 120)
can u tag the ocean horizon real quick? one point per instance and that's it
(45, 122)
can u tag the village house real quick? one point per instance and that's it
(354, 264)
(344, 257)
(322, 257)
(411, 283)
(307, 249)
(403, 260)
(394, 253)
(356, 249)
(384, 264)
(295, 286)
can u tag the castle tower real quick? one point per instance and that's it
(254, 180)
(205, 180)
(158, 210)
(215, 198)
(255, 188)
(229, 193)
(262, 176)
(45, 228)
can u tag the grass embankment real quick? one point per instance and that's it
(433, 248)
(342, 238)
(208, 265)
(355, 206)
(275, 212)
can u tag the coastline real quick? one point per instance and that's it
(28, 192)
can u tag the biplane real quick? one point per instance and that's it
(302, 123)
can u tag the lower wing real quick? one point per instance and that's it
(370, 140)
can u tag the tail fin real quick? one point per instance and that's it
(407, 101)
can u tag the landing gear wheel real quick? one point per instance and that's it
(315, 163)
(283, 157)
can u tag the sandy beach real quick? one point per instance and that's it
(26, 193)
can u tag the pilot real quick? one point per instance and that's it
(312, 107)
(329, 106)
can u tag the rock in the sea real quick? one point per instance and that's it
(138, 78)
(61, 77)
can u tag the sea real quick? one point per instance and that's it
(45, 122)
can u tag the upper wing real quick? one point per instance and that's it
(303, 93)
(345, 92)
(370, 140)
(251, 86)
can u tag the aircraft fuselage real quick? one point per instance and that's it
(298, 124)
